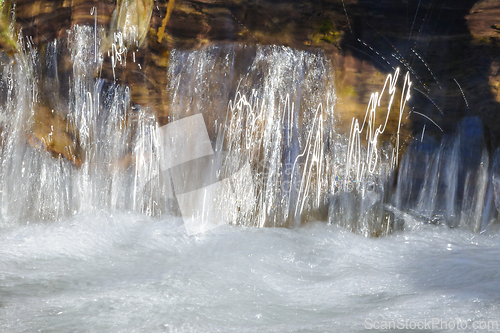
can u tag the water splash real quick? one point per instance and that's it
(272, 150)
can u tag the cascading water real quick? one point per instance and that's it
(252, 139)
(452, 182)
(275, 114)
(35, 185)
(275, 145)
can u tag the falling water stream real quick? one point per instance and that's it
(159, 228)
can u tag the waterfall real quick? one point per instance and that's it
(252, 139)
(450, 182)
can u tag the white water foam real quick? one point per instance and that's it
(125, 272)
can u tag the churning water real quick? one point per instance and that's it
(125, 272)
(115, 235)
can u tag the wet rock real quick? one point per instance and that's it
(50, 131)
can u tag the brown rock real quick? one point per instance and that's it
(53, 133)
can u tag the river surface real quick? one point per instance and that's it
(125, 272)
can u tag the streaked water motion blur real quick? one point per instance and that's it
(253, 126)
(118, 216)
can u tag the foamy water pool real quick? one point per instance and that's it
(124, 272)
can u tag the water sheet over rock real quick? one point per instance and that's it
(252, 138)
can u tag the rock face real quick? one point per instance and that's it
(452, 50)
(484, 25)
